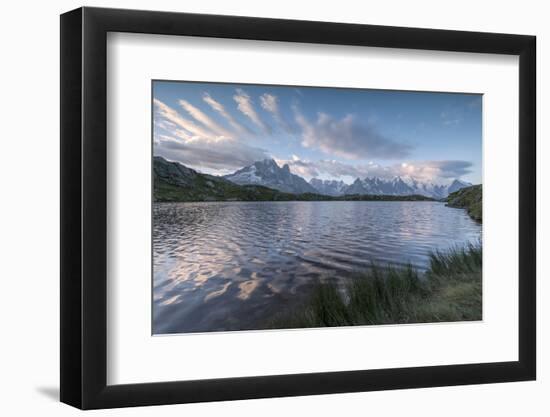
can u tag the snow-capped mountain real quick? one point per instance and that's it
(269, 174)
(329, 187)
(395, 186)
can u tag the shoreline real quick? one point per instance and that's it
(470, 199)
(450, 290)
(301, 201)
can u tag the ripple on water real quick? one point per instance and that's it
(227, 266)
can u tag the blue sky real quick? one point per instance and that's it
(328, 133)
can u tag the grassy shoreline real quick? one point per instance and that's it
(450, 290)
(470, 199)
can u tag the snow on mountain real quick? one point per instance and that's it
(328, 187)
(269, 174)
(395, 186)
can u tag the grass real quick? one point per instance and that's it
(205, 189)
(450, 290)
(469, 198)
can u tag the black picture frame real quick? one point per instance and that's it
(84, 207)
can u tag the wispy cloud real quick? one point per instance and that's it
(212, 133)
(224, 158)
(270, 103)
(330, 168)
(204, 119)
(442, 169)
(164, 124)
(204, 145)
(348, 138)
(246, 107)
(218, 107)
(193, 131)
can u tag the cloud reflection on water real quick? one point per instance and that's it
(227, 266)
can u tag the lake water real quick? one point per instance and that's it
(234, 265)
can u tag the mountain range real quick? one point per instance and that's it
(269, 174)
(173, 181)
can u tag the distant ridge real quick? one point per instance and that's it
(174, 182)
(395, 186)
(269, 174)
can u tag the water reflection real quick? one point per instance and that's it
(230, 266)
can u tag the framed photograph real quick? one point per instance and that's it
(257, 208)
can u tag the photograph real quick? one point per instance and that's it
(291, 207)
(279, 205)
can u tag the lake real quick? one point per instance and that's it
(220, 266)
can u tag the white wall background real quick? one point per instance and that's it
(29, 210)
